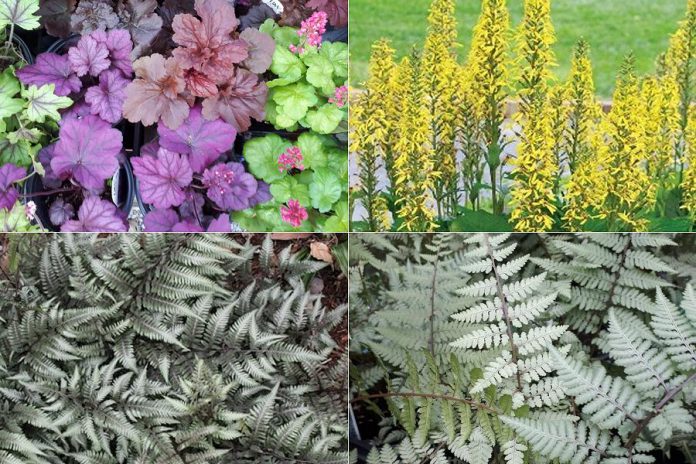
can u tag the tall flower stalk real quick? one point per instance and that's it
(631, 191)
(439, 91)
(415, 170)
(372, 126)
(535, 169)
(489, 64)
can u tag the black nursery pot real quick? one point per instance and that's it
(122, 188)
(23, 49)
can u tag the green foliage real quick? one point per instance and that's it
(304, 83)
(167, 349)
(524, 349)
(321, 186)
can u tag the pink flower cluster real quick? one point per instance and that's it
(311, 31)
(340, 97)
(294, 213)
(219, 179)
(291, 158)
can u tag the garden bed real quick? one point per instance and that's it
(136, 85)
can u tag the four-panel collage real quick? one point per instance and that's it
(347, 232)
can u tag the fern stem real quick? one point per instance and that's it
(431, 340)
(505, 309)
(654, 413)
(433, 396)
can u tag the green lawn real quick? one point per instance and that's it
(613, 28)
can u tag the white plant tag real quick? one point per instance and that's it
(275, 5)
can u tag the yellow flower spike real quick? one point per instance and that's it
(584, 111)
(661, 98)
(630, 190)
(488, 65)
(689, 185)
(587, 186)
(372, 126)
(533, 197)
(414, 168)
(438, 81)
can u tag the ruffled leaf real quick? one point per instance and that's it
(204, 141)
(89, 56)
(163, 179)
(51, 68)
(156, 93)
(88, 151)
(238, 101)
(42, 103)
(21, 13)
(106, 99)
(55, 16)
(96, 215)
(261, 48)
(141, 21)
(9, 174)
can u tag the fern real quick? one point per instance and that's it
(169, 349)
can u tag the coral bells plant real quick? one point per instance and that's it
(307, 181)
(213, 65)
(188, 181)
(309, 88)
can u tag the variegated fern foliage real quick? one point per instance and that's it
(524, 348)
(167, 349)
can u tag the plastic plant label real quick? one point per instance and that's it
(275, 5)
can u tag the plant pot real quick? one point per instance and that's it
(122, 188)
(23, 49)
(336, 34)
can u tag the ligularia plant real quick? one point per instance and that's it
(523, 349)
(499, 143)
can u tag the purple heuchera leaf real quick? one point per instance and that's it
(204, 141)
(187, 226)
(60, 212)
(160, 220)
(88, 151)
(221, 224)
(89, 57)
(106, 99)
(163, 179)
(97, 215)
(192, 207)
(118, 43)
(262, 195)
(49, 178)
(150, 149)
(78, 111)
(9, 174)
(230, 186)
(51, 68)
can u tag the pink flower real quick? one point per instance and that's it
(294, 213)
(30, 210)
(311, 31)
(291, 158)
(340, 96)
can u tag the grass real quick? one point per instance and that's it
(613, 28)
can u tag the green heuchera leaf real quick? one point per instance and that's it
(285, 36)
(262, 155)
(325, 190)
(16, 220)
(30, 135)
(20, 153)
(294, 100)
(337, 54)
(10, 106)
(9, 84)
(338, 163)
(288, 187)
(320, 72)
(314, 150)
(287, 66)
(339, 222)
(21, 13)
(325, 119)
(43, 103)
